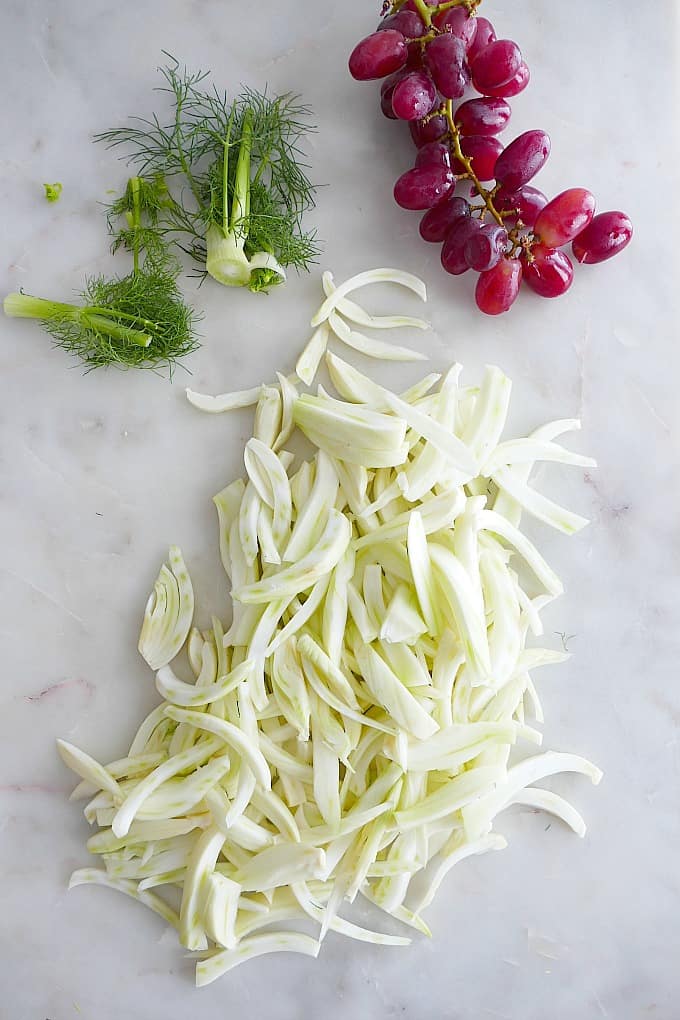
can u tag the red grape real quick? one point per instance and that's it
(484, 249)
(496, 65)
(483, 116)
(386, 105)
(408, 23)
(522, 159)
(483, 150)
(424, 65)
(497, 288)
(423, 187)
(512, 87)
(414, 61)
(605, 236)
(445, 57)
(564, 217)
(430, 131)
(434, 153)
(458, 23)
(453, 252)
(548, 271)
(484, 35)
(527, 201)
(413, 96)
(378, 55)
(437, 221)
(386, 91)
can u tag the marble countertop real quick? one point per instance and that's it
(100, 473)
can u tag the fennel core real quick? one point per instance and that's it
(236, 178)
(138, 320)
(226, 260)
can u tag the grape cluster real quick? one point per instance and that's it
(429, 56)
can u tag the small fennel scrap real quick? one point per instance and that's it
(53, 191)
(366, 716)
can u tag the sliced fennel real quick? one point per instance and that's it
(312, 355)
(350, 733)
(371, 346)
(338, 315)
(354, 313)
(224, 401)
(362, 280)
(168, 613)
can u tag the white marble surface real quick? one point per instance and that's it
(100, 473)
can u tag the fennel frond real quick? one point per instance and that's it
(140, 319)
(235, 174)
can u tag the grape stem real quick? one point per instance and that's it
(521, 242)
(471, 5)
(426, 12)
(483, 192)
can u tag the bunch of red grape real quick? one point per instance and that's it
(429, 54)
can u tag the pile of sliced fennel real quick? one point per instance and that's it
(363, 720)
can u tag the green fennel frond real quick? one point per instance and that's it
(139, 320)
(141, 208)
(151, 301)
(255, 199)
(280, 191)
